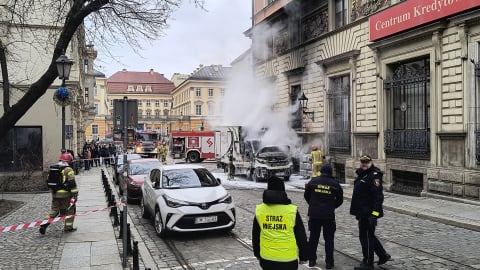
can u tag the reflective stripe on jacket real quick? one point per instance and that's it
(277, 237)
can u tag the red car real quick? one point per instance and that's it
(138, 169)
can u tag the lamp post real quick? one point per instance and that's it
(63, 67)
(304, 102)
(202, 127)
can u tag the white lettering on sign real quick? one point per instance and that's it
(392, 21)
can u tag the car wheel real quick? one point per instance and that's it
(158, 224)
(143, 210)
(193, 157)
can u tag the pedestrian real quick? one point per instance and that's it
(278, 234)
(316, 157)
(105, 156)
(96, 155)
(231, 166)
(66, 156)
(64, 192)
(323, 195)
(366, 206)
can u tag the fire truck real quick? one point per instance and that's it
(195, 146)
(146, 143)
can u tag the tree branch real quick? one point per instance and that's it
(5, 80)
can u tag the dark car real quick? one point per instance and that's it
(118, 167)
(138, 169)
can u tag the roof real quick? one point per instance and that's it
(213, 73)
(119, 82)
(97, 73)
(242, 56)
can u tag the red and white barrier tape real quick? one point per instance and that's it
(52, 220)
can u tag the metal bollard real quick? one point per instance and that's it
(111, 200)
(135, 256)
(114, 213)
(120, 236)
(129, 240)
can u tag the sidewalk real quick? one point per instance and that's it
(93, 245)
(448, 212)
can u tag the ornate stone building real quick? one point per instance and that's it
(395, 80)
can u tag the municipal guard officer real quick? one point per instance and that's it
(278, 234)
(367, 200)
(64, 199)
(323, 194)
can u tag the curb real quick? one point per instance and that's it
(439, 219)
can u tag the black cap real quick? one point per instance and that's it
(326, 170)
(365, 158)
(275, 183)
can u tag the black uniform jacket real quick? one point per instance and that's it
(323, 194)
(280, 197)
(367, 193)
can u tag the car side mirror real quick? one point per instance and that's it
(220, 181)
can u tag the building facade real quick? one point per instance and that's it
(394, 80)
(197, 100)
(153, 92)
(35, 141)
(99, 128)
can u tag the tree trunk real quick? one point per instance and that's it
(5, 80)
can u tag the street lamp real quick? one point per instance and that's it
(202, 127)
(304, 102)
(64, 66)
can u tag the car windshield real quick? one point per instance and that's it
(143, 167)
(188, 178)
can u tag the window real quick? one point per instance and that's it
(96, 108)
(23, 146)
(95, 91)
(140, 114)
(297, 121)
(139, 88)
(408, 97)
(210, 92)
(222, 92)
(268, 2)
(95, 129)
(139, 102)
(198, 109)
(149, 114)
(157, 114)
(211, 108)
(157, 103)
(86, 94)
(339, 106)
(198, 92)
(165, 103)
(148, 88)
(148, 103)
(130, 88)
(341, 13)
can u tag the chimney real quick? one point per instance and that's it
(151, 71)
(124, 69)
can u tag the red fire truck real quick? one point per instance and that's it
(195, 146)
(147, 143)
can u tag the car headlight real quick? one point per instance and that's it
(226, 199)
(174, 203)
(139, 149)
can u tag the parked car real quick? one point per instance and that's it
(118, 167)
(137, 170)
(186, 198)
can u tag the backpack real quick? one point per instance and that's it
(55, 177)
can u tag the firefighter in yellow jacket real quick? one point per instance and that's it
(316, 157)
(162, 153)
(63, 199)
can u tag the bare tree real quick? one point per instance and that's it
(106, 22)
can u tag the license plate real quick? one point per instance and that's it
(201, 220)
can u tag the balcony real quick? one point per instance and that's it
(339, 142)
(162, 118)
(408, 143)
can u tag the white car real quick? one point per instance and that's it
(186, 198)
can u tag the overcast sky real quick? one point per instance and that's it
(194, 37)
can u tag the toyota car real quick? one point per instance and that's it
(186, 198)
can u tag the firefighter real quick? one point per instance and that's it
(162, 153)
(64, 199)
(278, 234)
(316, 157)
(231, 167)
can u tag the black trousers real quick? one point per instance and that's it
(369, 242)
(271, 265)
(329, 228)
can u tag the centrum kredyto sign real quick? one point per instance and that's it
(412, 13)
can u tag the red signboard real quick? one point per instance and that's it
(412, 13)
